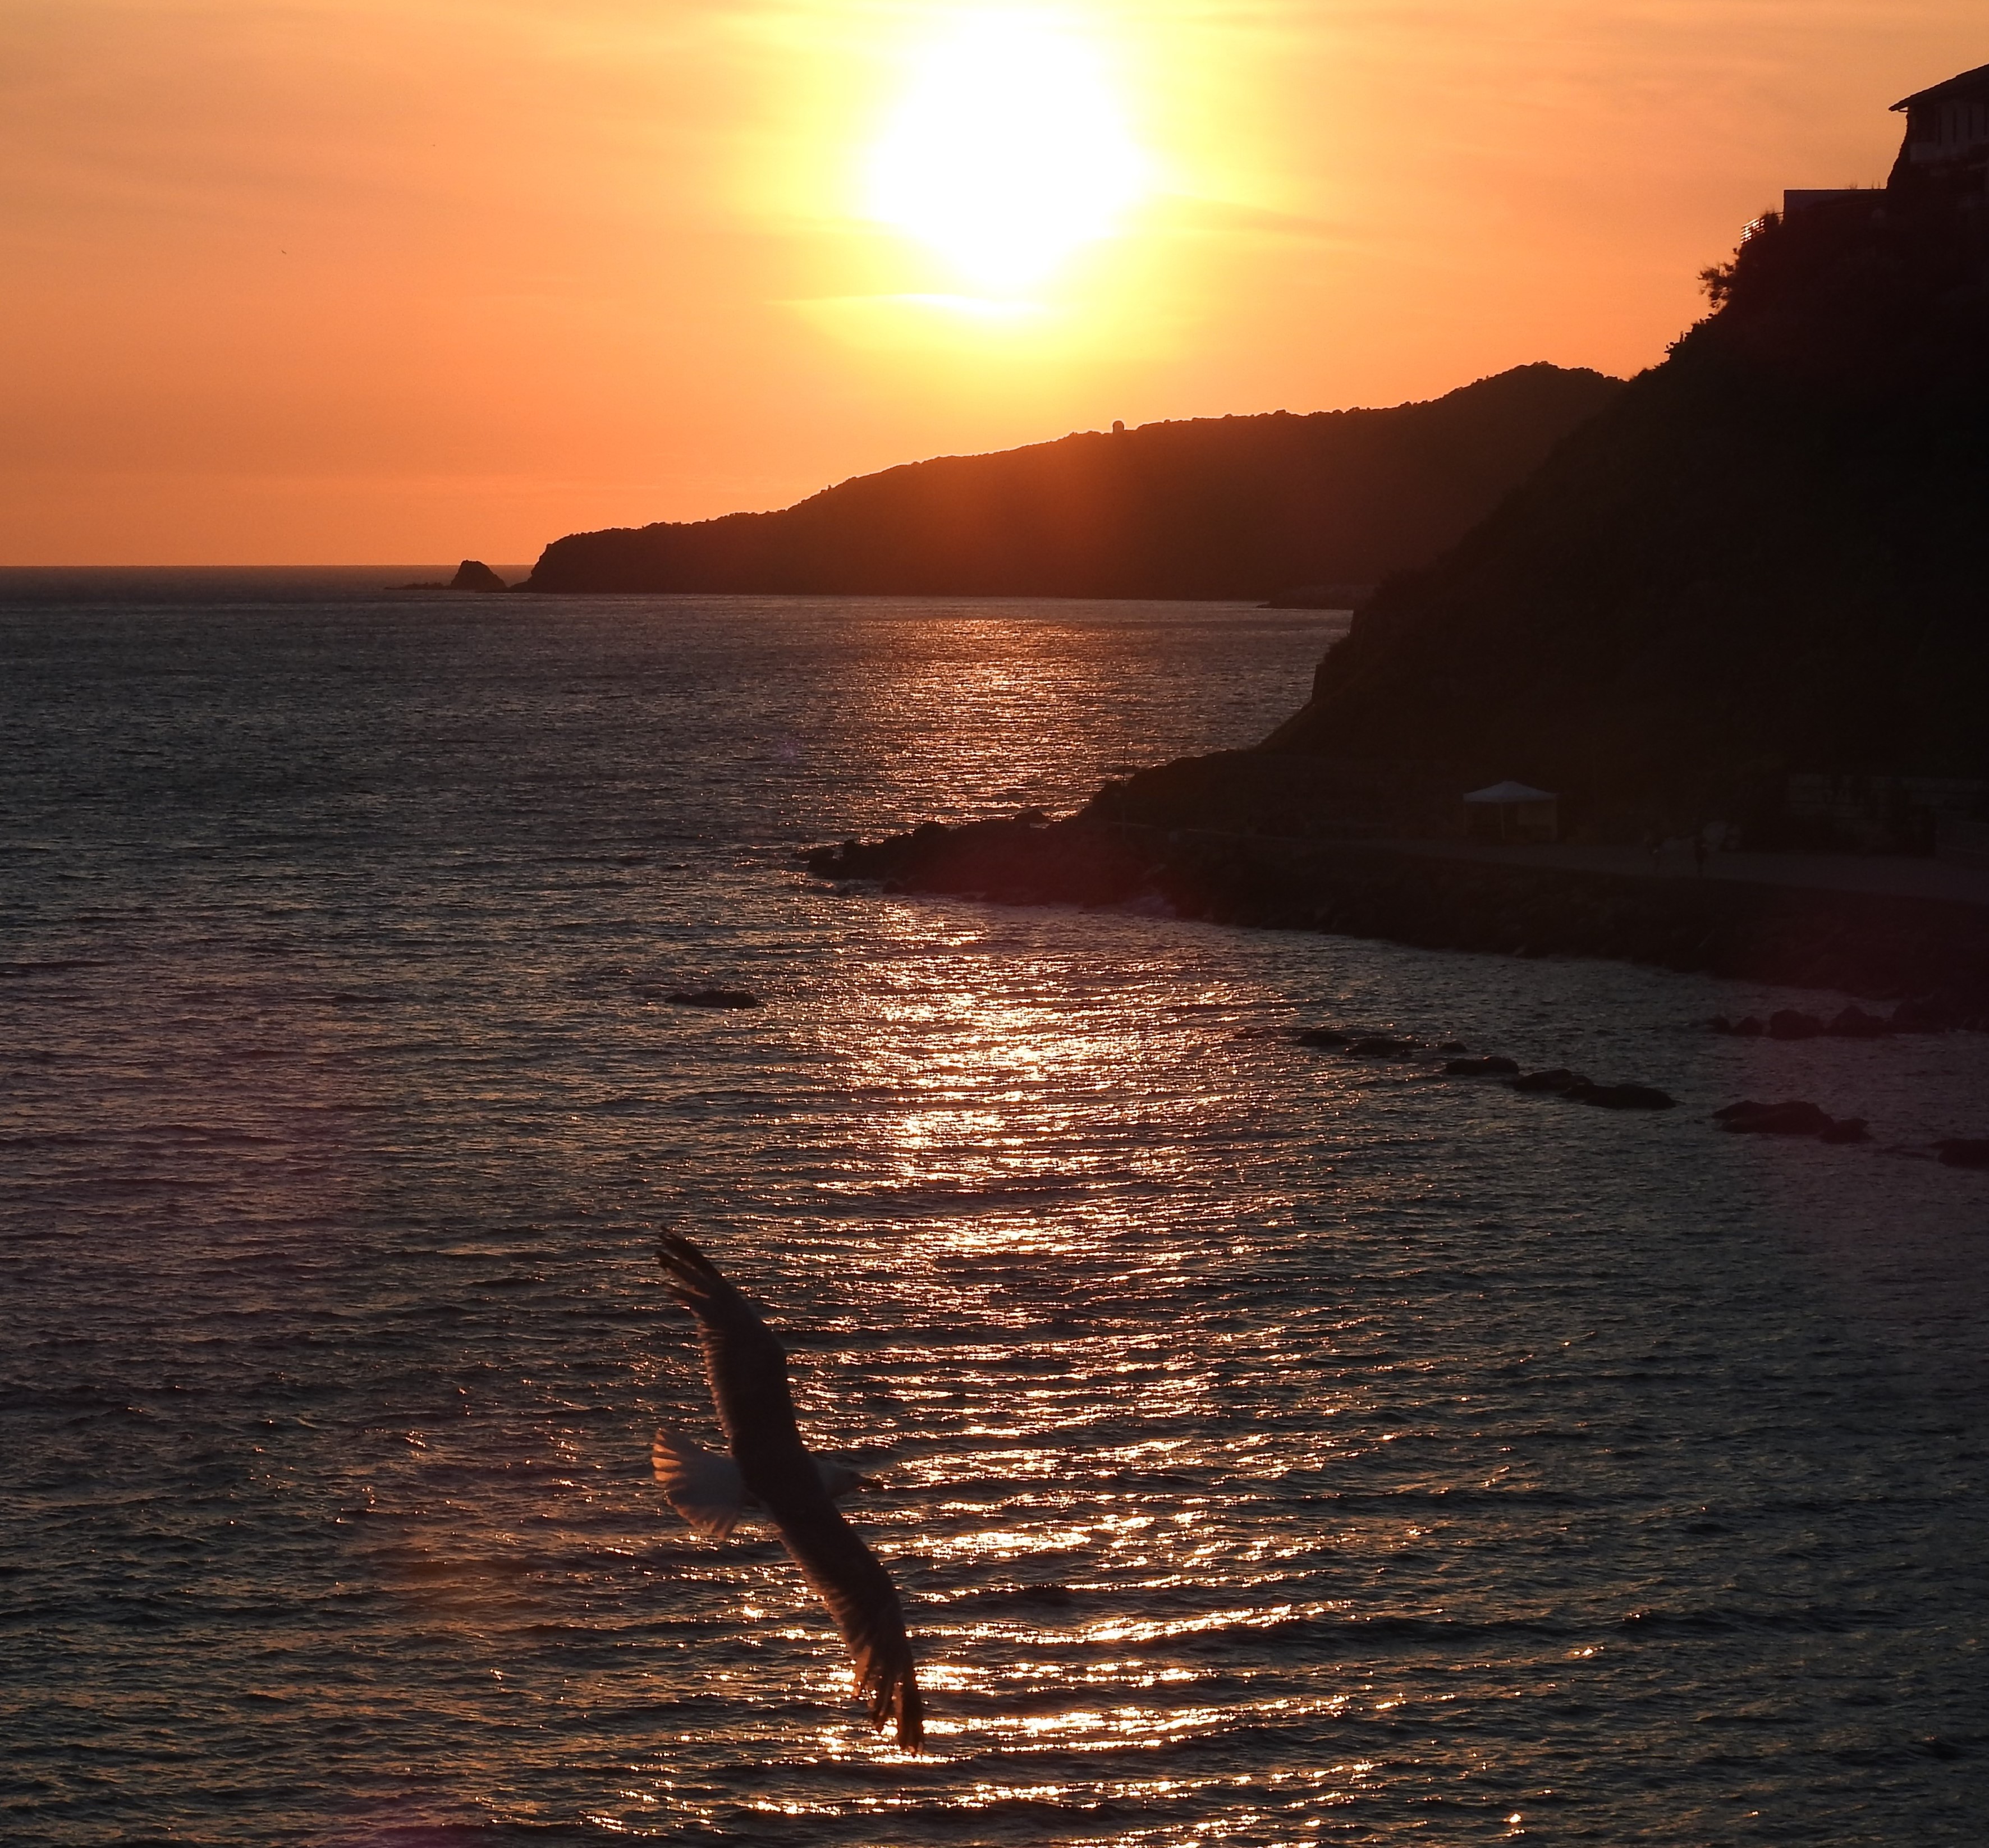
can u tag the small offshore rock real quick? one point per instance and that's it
(1621, 1097)
(1964, 1152)
(1381, 1045)
(474, 574)
(713, 997)
(1324, 1036)
(1492, 1065)
(1797, 1117)
(1855, 1024)
(1792, 1024)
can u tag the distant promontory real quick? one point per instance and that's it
(1254, 507)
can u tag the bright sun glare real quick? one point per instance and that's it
(1009, 151)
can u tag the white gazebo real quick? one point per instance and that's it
(1511, 811)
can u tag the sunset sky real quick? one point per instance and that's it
(326, 281)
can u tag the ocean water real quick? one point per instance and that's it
(1279, 1448)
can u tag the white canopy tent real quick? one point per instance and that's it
(1523, 813)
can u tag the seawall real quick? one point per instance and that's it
(1874, 945)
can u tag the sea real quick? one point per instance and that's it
(1276, 1446)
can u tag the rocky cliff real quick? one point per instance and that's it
(1770, 554)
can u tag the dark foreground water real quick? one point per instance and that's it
(1281, 1450)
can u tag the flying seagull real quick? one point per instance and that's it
(748, 1368)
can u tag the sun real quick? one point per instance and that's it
(1009, 151)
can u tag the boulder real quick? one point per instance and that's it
(1325, 1036)
(1621, 1097)
(1964, 1152)
(1791, 1023)
(1381, 1045)
(1491, 1065)
(714, 997)
(1855, 1024)
(1797, 1117)
(1556, 1078)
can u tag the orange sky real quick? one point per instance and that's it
(330, 281)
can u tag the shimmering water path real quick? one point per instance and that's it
(1280, 1449)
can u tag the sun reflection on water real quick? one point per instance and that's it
(1271, 1446)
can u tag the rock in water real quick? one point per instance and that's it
(474, 574)
(1492, 1065)
(1622, 1097)
(1797, 1117)
(1964, 1152)
(1556, 1078)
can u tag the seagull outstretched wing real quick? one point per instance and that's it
(748, 1370)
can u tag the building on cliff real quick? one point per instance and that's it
(1947, 129)
(1948, 136)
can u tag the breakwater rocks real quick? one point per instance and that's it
(1923, 1016)
(1796, 1118)
(1354, 1042)
(1932, 951)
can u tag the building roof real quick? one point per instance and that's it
(1970, 82)
(1509, 792)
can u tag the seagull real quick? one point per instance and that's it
(748, 1368)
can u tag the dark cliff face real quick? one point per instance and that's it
(1241, 506)
(1771, 553)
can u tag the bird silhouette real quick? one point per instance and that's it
(747, 1369)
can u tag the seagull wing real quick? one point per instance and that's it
(705, 1490)
(748, 1370)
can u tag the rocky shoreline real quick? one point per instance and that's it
(1932, 953)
